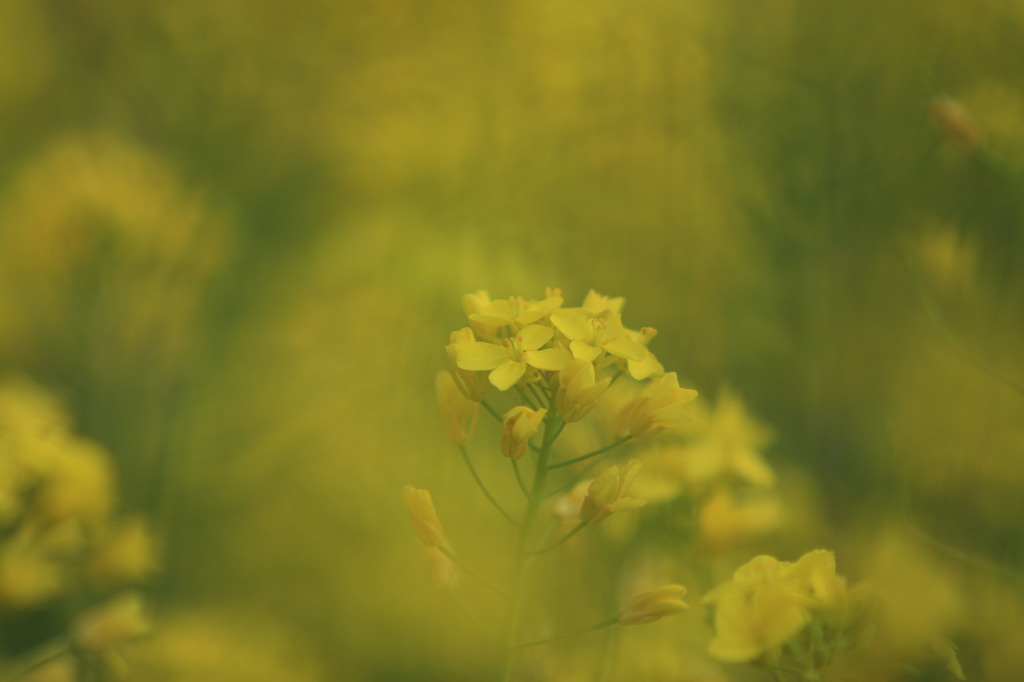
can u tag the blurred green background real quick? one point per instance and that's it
(233, 237)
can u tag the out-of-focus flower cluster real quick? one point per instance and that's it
(802, 617)
(61, 539)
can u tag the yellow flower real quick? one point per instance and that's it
(578, 390)
(605, 496)
(517, 427)
(768, 602)
(458, 413)
(591, 337)
(507, 358)
(596, 304)
(729, 448)
(653, 605)
(658, 407)
(513, 310)
(424, 518)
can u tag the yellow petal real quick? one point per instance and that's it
(582, 350)
(534, 336)
(478, 356)
(507, 374)
(624, 348)
(575, 326)
(549, 359)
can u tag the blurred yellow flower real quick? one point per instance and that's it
(458, 413)
(729, 448)
(606, 494)
(659, 406)
(653, 605)
(517, 427)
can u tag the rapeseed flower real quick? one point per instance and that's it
(507, 359)
(606, 494)
(659, 406)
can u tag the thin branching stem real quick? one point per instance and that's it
(567, 635)
(519, 478)
(483, 488)
(564, 538)
(595, 453)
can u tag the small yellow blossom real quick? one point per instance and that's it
(458, 413)
(579, 390)
(517, 427)
(515, 311)
(105, 627)
(659, 406)
(596, 304)
(424, 518)
(653, 605)
(605, 496)
(507, 359)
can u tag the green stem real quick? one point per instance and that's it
(552, 424)
(491, 410)
(519, 478)
(48, 655)
(546, 640)
(595, 453)
(558, 542)
(525, 398)
(483, 488)
(471, 573)
(580, 475)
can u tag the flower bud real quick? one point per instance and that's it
(605, 495)
(517, 427)
(653, 605)
(424, 518)
(658, 407)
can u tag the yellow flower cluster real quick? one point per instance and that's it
(577, 353)
(57, 523)
(768, 602)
